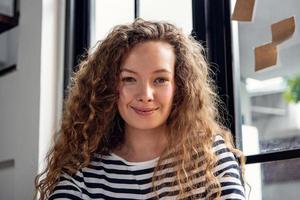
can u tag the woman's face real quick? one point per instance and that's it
(147, 86)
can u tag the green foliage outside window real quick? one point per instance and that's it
(292, 92)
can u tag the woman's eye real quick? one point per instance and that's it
(128, 79)
(160, 80)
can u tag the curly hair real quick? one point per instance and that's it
(91, 122)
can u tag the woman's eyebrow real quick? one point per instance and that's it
(162, 70)
(154, 72)
(128, 70)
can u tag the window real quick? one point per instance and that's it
(104, 16)
(268, 119)
(178, 12)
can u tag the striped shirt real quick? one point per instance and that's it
(112, 177)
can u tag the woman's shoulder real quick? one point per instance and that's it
(222, 149)
(228, 170)
(222, 144)
(71, 186)
(218, 139)
(68, 187)
(219, 145)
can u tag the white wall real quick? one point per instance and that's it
(19, 103)
(20, 98)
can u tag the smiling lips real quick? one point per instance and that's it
(144, 111)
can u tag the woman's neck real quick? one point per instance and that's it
(142, 145)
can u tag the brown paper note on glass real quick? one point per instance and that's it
(265, 56)
(243, 10)
(283, 30)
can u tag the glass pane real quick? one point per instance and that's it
(273, 180)
(269, 98)
(178, 12)
(104, 16)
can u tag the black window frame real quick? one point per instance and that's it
(77, 37)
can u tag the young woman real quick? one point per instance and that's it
(141, 122)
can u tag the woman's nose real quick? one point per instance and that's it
(145, 93)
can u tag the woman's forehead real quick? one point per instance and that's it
(152, 56)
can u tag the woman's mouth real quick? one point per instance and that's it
(144, 111)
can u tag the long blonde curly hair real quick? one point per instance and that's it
(91, 122)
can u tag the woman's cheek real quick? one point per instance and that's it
(126, 93)
(166, 94)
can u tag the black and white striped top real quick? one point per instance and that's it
(112, 177)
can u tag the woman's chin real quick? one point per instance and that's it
(146, 125)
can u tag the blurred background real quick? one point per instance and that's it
(41, 42)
